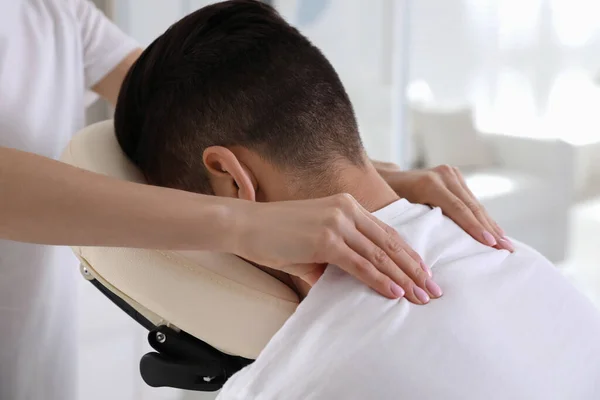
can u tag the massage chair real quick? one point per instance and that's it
(208, 314)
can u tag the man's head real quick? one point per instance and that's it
(232, 100)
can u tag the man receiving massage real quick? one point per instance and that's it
(232, 101)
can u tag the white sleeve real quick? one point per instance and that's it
(104, 45)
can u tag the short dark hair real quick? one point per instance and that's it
(233, 73)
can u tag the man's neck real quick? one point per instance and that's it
(364, 183)
(369, 188)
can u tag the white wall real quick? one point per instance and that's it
(520, 62)
(144, 20)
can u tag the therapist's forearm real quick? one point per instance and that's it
(110, 85)
(49, 202)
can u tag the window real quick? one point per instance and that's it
(526, 66)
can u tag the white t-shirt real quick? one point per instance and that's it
(53, 51)
(509, 326)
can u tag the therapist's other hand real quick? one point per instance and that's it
(445, 187)
(302, 237)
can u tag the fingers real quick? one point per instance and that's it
(393, 236)
(477, 226)
(456, 209)
(383, 251)
(372, 252)
(359, 267)
(312, 272)
(482, 215)
(458, 203)
(400, 269)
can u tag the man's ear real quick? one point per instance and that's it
(228, 176)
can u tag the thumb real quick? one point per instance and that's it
(315, 274)
(309, 273)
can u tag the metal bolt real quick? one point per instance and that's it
(85, 271)
(208, 378)
(161, 337)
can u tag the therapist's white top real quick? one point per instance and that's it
(509, 326)
(51, 51)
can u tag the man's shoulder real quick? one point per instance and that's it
(400, 212)
(435, 237)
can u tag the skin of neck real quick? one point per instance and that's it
(271, 183)
(362, 182)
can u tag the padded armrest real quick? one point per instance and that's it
(217, 298)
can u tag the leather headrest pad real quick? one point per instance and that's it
(218, 298)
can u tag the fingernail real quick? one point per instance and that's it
(507, 244)
(433, 288)
(396, 290)
(426, 269)
(421, 295)
(489, 239)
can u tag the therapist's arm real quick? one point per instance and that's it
(445, 187)
(49, 202)
(109, 86)
(46, 201)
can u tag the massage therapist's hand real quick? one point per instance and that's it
(445, 187)
(301, 237)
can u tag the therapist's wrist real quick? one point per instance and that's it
(191, 221)
(233, 224)
(388, 171)
(384, 166)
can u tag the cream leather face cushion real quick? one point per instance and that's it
(218, 298)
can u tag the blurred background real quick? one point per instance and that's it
(506, 90)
